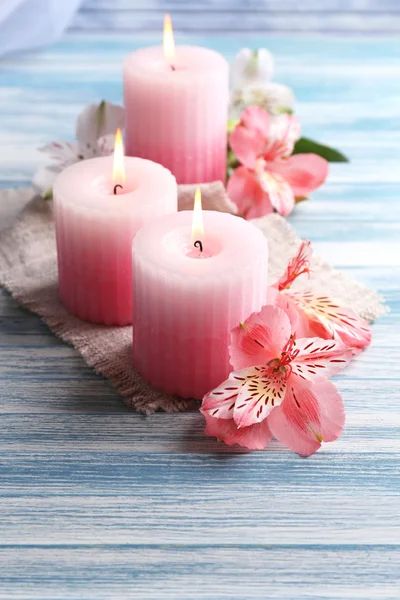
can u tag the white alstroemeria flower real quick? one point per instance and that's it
(95, 129)
(251, 67)
(275, 98)
(251, 74)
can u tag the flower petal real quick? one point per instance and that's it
(258, 396)
(246, 144)
(105, 144)
(63, 153)
(220, 402)
(250, 67)
(260, 338)
(272, 97)
(309, 415)
(279, 191)
(97, 120)
(298, 321)
(303, 172)
(245, 191)
(319, 359)
(255, 437)
(283, 134)
(331, 320)
(255, 118)
(43, 180)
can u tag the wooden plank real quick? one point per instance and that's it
(95, 433)
(109, 496)
(201, 573)
(227, 5)
(254, 15)
(98, 502)
(238, 22)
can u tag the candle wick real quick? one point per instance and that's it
(115, 188)
(198, 244)
(173, 68)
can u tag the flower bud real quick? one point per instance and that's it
(251, 67)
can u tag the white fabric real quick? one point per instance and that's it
(28, 24)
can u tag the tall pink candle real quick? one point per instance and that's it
(178, 116)
(95, 229)
(187, 302)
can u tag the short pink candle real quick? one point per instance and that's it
(177, 111)
(186, 302)
(95, 229)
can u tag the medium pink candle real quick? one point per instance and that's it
(186, 302)
(177, 110)
(95, 229)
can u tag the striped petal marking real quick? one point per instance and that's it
(335, 321)
(259, 395)
(317, 359)
(220, 402)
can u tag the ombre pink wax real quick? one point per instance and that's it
(185, 303)
(95, 229)
(178, 117)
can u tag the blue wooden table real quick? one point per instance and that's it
(99, 503)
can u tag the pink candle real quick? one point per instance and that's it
(186, 302)
(177, 110)
(95, 229)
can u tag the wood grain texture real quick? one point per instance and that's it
(316, 16)
(163, 572)
(100, 503)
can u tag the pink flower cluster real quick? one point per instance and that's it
(270, 177)
(282, 358)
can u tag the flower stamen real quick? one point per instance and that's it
(288, 354)
(299, 265)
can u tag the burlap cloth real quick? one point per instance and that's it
(28, 269)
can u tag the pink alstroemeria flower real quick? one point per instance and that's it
(314, 314)
(286, 394)
(269, 178)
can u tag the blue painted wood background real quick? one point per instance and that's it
(100, 503)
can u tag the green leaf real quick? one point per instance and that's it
(232, 124)
(283, 110)
(100, 116)
(307, 146)
(48, 195)
(232, 160)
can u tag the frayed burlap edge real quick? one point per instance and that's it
(28, 270)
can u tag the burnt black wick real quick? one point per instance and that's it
(173, 68)
(115, 188)
(198, 244)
